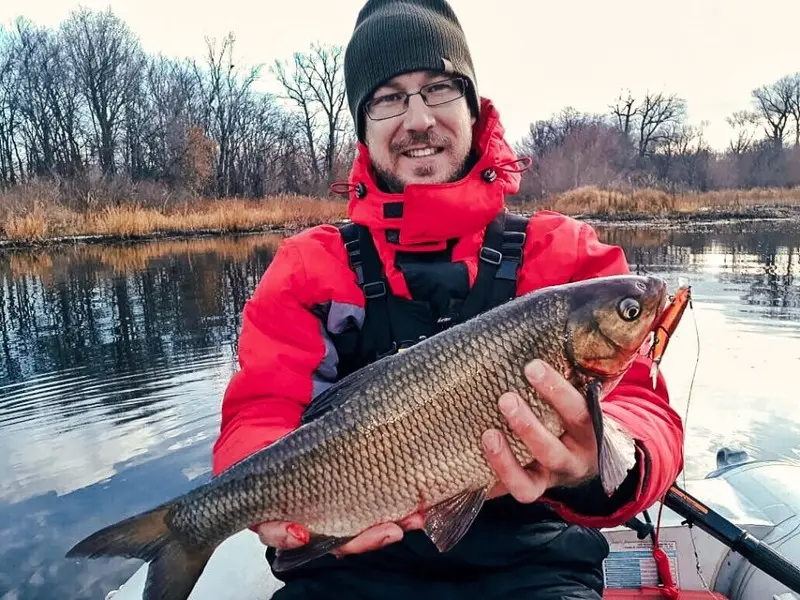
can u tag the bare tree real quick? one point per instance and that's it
(624, 112)
(794, 105)
(108, 62)
(546, 135)
(656, 116)
(743, 122)
(316, 86)
(773, 104)
(48, 103)
(9, 110)
(225, 90)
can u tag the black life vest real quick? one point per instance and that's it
(441, 295)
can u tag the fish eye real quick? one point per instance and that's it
(629, 309)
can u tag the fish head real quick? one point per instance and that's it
(609, 319)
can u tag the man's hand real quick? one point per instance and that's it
(568, 460)
(286, 535)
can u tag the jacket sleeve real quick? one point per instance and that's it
(280, 347)
(640, 409)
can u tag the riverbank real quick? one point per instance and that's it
(41, 225)
(651, 205)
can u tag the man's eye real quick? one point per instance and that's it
(388, 99)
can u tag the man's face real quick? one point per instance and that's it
(427, 144)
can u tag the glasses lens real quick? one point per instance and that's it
(387, 106)
(440, 92)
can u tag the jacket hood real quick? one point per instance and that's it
(425, 216)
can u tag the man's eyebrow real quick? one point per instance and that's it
(390, 87)
(396, 87)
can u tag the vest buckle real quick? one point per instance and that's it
(491, 256)
(379, 289)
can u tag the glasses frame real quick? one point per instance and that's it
(421, 93)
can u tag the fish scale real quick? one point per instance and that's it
(403, 435)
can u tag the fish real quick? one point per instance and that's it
(403, 435)
(666, 325)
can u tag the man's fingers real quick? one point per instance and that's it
(281, 534)
(285, 535)
(371, 539)
(523, 486)
(568, 402)
(415, 521)
(547, 449)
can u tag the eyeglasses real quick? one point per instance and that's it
(433, 94)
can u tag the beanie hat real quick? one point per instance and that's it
(392, 37)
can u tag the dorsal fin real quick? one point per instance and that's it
(339, 391)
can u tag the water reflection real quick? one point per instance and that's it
(113, 361)
(741, 336)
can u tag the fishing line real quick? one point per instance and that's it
(691, 381)
(685, 428)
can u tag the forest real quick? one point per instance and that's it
(89, 120)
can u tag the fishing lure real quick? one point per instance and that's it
(666, 326)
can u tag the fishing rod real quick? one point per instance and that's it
(760, 554)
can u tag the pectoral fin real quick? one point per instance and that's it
(616, 449)
(317, 546)
(447, 522)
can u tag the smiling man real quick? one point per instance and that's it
(431, 244)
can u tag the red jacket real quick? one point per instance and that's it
(285, 356)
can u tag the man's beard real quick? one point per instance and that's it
(392, 184)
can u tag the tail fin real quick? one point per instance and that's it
(174, 567)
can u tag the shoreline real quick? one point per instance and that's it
(155, 236)
(633, 219)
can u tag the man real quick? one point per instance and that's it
(426, 190)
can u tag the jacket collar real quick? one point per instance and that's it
(425, 216)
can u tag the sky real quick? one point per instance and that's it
(531, 57)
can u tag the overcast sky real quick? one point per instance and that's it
(532, 57)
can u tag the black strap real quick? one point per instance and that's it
(500, 259)
(505, 279)
(364, 260)
(489, 259)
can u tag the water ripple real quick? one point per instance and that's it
(113, 362)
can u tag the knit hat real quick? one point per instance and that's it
(392, 37)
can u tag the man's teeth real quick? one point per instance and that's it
(420, 152)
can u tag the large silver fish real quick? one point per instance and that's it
(403, 435)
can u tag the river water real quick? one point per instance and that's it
(113, 360)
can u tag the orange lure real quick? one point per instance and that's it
(666, 326)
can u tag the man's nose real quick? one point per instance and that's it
(419, 116)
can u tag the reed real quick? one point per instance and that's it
(44, 219)
(594, 201)
(36, 223)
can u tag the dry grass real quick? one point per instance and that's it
(43, 219)
(594, 201)
(220, 216)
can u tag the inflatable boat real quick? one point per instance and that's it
(734, 534)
